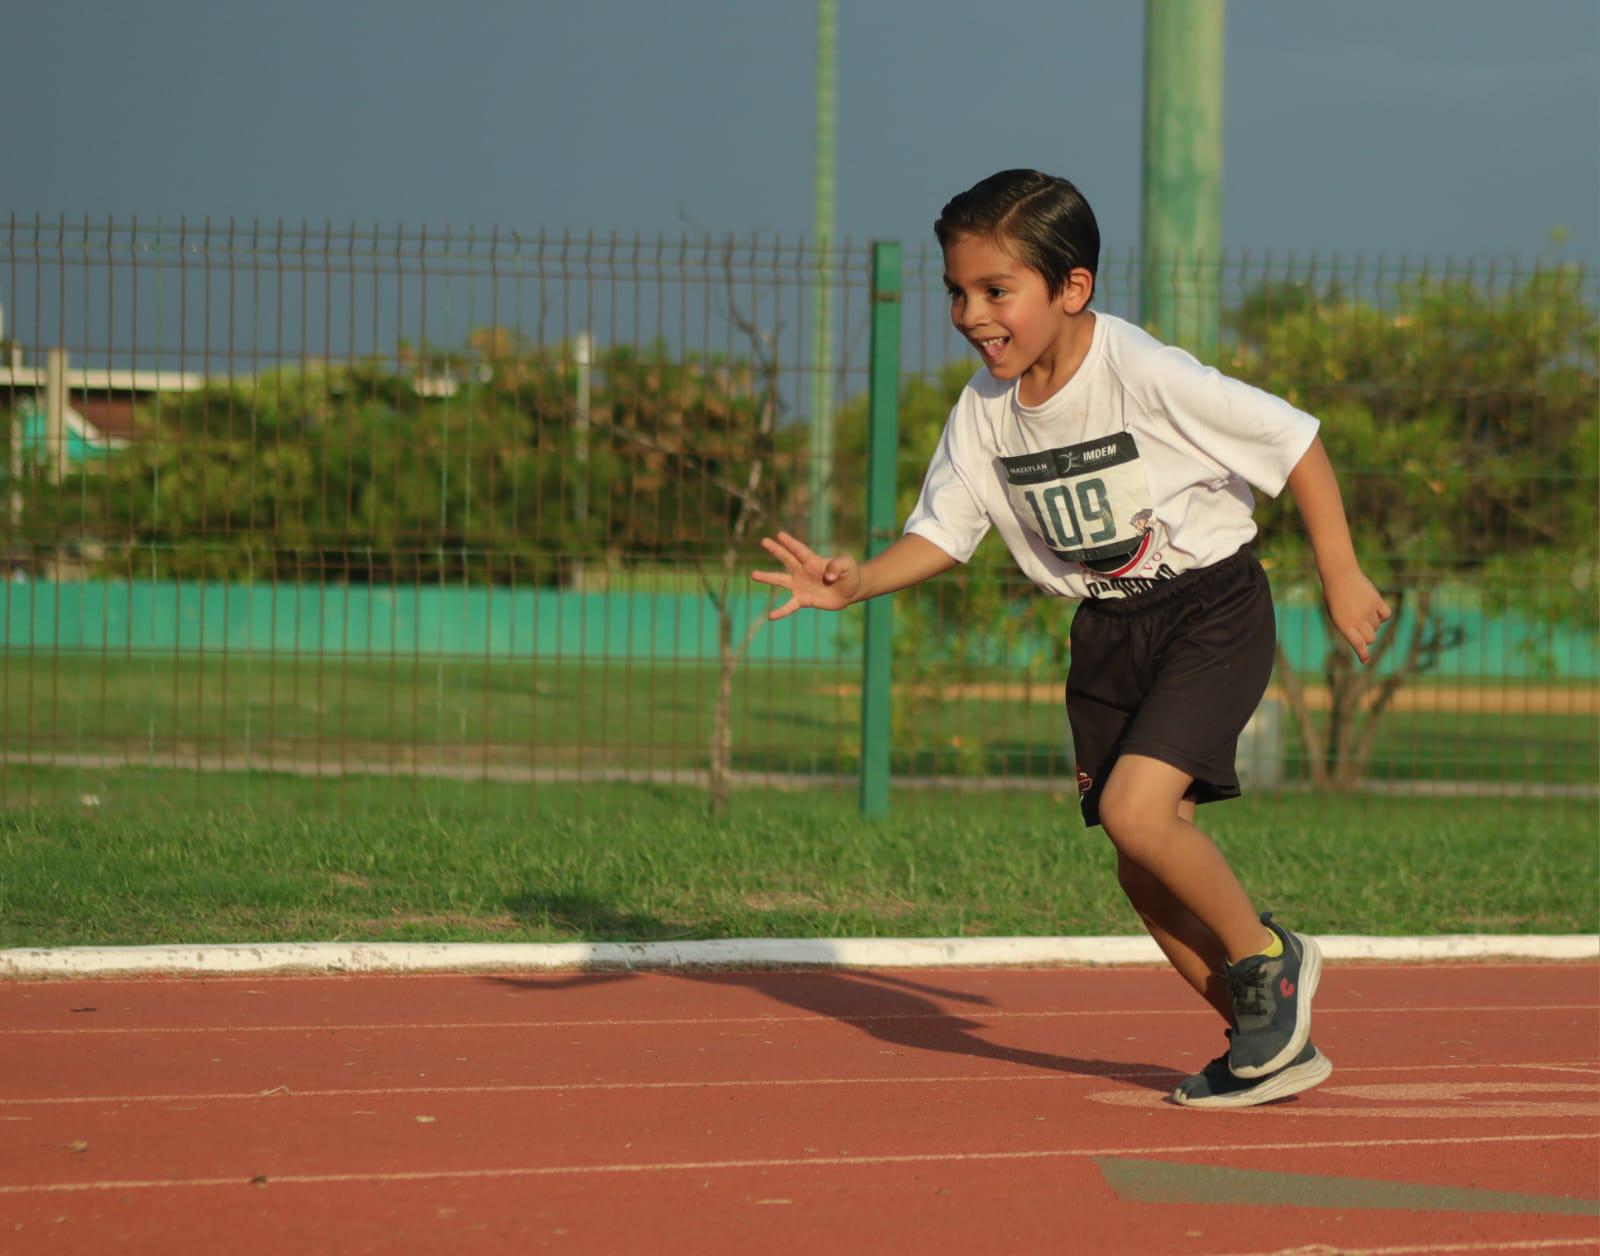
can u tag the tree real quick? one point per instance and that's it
(682, 458)
(334, 472)
(466, 464)
(1463, 426)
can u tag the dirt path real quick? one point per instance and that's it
(1465, 699)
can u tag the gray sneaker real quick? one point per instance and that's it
(1272, 1004)
(1215, 1087)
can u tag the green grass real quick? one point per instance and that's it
(787, 718)
(174, 857)
(633, 712)
(1497, 747)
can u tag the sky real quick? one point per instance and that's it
(1415, 128)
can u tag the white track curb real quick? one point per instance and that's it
(396, 957)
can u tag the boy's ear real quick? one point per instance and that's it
(1077, 290)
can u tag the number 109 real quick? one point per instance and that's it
(1062, 520)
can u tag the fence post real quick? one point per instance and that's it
(55, 409)
(883, 441)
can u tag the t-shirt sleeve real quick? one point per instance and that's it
(948, 512)
(1243, 429)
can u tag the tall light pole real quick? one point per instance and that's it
(821, 390)
(1181, 223)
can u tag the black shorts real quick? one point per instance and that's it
(1174, 673)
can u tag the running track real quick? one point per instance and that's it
(963, 1111)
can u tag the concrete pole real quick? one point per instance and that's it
(1181, 224)
(821, 470)
(55, 411)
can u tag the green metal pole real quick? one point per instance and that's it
(821, 477)
(883, 442)
(1181, 225)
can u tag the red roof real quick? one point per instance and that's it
(111, 416)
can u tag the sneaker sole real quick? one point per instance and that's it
(1291, 1081)
(1310, 975)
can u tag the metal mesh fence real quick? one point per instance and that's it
(403, 509)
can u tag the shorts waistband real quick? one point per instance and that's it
(1164, 592)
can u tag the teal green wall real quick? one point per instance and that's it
(491, 623)
(487, 623)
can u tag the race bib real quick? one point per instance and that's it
(1089, 503)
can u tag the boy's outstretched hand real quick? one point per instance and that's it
(824, 584)
(1356, 608)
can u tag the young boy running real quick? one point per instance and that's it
(1117, 471)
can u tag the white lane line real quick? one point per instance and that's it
(820, 1018)
(797, 1162)
(1503, 1245)
(732, 953)
(1584, 1069)
(575, 1087)
(1156, 967)
(516, 1088)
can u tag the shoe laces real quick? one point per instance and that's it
(1247, 987)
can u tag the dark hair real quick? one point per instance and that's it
(1040, 218)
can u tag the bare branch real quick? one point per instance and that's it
(763, 354)
(1294, 693)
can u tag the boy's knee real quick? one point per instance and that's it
(1139, 827)
(1140, 807)
(1125, 816)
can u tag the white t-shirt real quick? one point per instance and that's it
(1135, 471)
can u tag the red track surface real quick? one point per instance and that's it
(952, 1111)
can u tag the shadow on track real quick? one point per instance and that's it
(895, 1009)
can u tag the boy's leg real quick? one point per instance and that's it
(1189, 946)
(1197, 955)
(1272, 974)
(1140, 812)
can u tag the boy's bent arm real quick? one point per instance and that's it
(1316, 493)
(1354, 604)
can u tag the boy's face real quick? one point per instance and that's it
(1000, 306)
(1004, 308)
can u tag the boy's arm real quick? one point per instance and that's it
(1355, 605)
(831, 584)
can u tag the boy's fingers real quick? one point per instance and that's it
(1358, 642)
(796, 546)
(779, 552)
(788, 608)
(781, 579)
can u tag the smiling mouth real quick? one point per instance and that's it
(992, 348)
